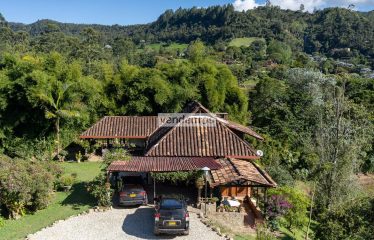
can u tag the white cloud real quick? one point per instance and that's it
(245, 5)
(309, 5)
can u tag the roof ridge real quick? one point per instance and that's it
(163, 136)
(234, 166)
(265, 174)
(224, 127)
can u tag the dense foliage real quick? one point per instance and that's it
(101, 191)
(352, 220)
(25, 186)
(293, 207)
(325, 31)
(177, 177)
(302, 80)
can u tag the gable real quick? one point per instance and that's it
(201, 140)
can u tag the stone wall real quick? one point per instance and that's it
(224, 218)
(230, 219)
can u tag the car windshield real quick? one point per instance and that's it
(171, 204)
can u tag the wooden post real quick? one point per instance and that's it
(154, 190)
(311, 211)
(265, 199)
(198, 195)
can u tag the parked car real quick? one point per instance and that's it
(132, 192)
(171, 216)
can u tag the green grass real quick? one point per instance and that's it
(64, 204)
(86, 171)
(298, 234)
(245, 237)
(238, 42)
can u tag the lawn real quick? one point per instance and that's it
(238, 42)
(64, 204)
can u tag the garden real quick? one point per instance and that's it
(64, 195)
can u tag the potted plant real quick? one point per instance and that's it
(66, 182)
(78, 157)
(213, 200)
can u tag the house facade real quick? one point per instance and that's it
(188, 145)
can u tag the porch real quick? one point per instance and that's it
(147, 166)
(243, 182)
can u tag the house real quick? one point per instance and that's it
(200, 139)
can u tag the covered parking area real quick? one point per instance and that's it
(146, 166)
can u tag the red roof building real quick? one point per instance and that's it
(186, 147)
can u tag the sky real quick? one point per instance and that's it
(126, 12)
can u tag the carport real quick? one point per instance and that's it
(145, 164)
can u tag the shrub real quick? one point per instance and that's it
(24, 185)
(277, 207)
(296, 216)
(117, 154)
(78, 157)
(2, 222)
(262, 233)
(101, 190)
(42, 185)
(66, 180)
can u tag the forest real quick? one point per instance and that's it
(304, 81)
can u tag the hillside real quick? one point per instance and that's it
(325, 31)
(303, 81)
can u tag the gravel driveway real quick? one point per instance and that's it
(126, 223)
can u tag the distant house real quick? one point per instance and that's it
(186, 147)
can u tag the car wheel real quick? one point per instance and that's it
(186, 232)
(156, 232)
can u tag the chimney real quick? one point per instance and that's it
(223, 115)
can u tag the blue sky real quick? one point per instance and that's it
(126, 12)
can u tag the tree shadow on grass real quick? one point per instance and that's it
(79, 197)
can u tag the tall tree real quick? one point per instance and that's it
(56, 93)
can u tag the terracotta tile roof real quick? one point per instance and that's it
(144, 126)
(163, 164)
(238, 127)
(122, 127)
(235, 169)
(195, 107)
(199, 140)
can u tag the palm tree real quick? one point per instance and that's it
(57, 98)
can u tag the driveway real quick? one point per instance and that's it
(125, 223)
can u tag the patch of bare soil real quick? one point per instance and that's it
(366, 181)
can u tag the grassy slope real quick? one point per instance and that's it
(63, 204)
(298, 234)
(238, 42)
